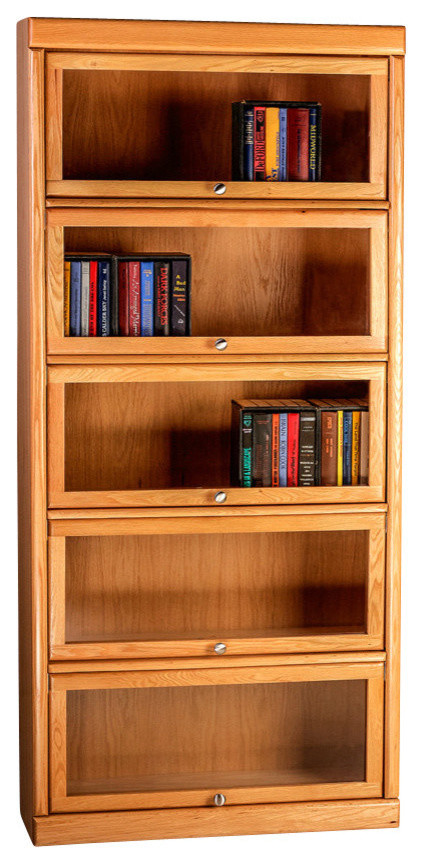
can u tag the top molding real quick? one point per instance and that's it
(87, 34)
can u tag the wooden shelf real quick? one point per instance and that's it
(201, 189)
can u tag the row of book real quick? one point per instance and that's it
(299, 442)
(276, 141)
(115, 295)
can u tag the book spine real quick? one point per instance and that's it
(347, 448)
(123, 298)
(147, 295)
(134, 295)
(356, 440)
(248, 121)
(340, 448)
(298, 143)
(179, 298)
(114, 297)
(364, 449)
(75, 301)
(67, 298)
(246, 448)
(283, 450)
(161, 319)
(103, 298)
(283, 144)
(275, 449)
(313, 144)
(307, 430)
(259, 143)
(85, 297)
(272, 143)
(92, 313)
(293, 449)
(237, 141)
(328, 448)
(261, 459)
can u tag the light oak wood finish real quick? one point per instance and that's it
(129, 203)
(202, 189)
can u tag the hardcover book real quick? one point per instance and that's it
(161, 277)
(147, 298)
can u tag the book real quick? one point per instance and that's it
(340, 448)
(356, 443)
(161, 298)
(283, 417)
(248, 121)
(75, 299)
(147, 298)
(92, 301)
(179, 298)
(246, 448)
(307, 432)
(114, 297)
(298, 144)
(272, 143)
(66, 297)
(134, 299)
(85, 297)
(275, 449)
(313, 144)
(103, 298)
(123, 294)
(364, 449)
(328, 448)
(347, 448)
(293, 449)
(261, 455)
(259, 143)
(283, 144)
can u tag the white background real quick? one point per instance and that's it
(353, 846)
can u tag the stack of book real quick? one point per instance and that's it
(115, 295)
(276, 141)
(299, 442)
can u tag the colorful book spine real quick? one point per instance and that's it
(283, 449)
(85, 297)
(259, 144)
(364, 449)
(275, 449)
(114, 297)
(272, 143)
(340, 448)
(298, 144)
(103, 298)
(347, 448)
(313, 144)
(261, 457)
(248, 138)
(124, 306)
(246, 448)
(307, 436)
(293, 449)
(92, 311)
(328, 448)
(161, 318)
(283, 144)
(67, 298)
(147, 298)
(179, 298)
(134, 298)
(75, 299)
(356, 444)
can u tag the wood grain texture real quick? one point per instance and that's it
(202, 189)
(266, 204)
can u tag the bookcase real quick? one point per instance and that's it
(198, 658)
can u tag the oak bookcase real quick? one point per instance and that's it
(180, 650)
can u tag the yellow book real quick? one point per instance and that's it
(356, 438)
(340, 448)
(272, 143)
(67, 297)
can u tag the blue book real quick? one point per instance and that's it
(313, 144)
(283, 450)
(347, 448)
(103, 298)
(75, 299)
(147, 296)
(282, 170)
(248, 119)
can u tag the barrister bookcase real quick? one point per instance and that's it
(196, 658)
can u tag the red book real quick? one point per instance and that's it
(134, 298)
(92, 300)
(259, 144)
(292, 449)
(298, 143)
(123, 299)
(275, 449)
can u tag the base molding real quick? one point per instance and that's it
(215, 821)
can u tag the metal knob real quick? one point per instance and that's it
(220, 188)
(220, 497)
(219, 799)
(221, 344)
(220, 648)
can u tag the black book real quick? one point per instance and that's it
(179, 298)
(307, 444)
(114, 299)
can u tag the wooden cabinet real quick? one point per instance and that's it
(199, 658)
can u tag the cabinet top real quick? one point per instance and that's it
(88, 34)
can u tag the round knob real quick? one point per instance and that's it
(220, 497)
(221, 344)
(219, 188)
(220, 648)
(219, 799)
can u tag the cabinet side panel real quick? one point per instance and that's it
(31, 433)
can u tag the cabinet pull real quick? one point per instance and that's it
(220, 497)
(220, 648)
(220, 188)
(221, 344)
(219, 799)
